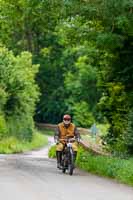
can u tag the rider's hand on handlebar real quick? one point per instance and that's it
(78, 139)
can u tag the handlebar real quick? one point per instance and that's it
(68, 139)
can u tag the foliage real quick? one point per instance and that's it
(19, 94)
(129, 133)
(113, 167)
(115, 107)
(46, 131)
(13, 145)
(52, 152)
(3, 127)
(82, 115)
(84, 49)
(47, 36)
(21, 127)
(102, 129)
(116, 69)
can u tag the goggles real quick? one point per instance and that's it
(67, 119)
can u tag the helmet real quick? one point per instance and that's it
(66, 120)
(67, 117)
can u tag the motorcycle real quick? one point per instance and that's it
(67, 161)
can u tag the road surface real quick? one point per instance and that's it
(32, 176)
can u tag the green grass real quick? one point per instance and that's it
(46, 131)
(52, 152)
(112, 167)
(13, 145)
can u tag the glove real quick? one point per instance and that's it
(78, 139)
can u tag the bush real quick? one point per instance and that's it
(3, 127)
(129, 133)
(52, 152)
(82, 115)
(13, 145)
(21, 127)
(114, 105)
(102, 129)
(18, 94)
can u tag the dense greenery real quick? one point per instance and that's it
(85, 52)
(18, 94)
(47, 131)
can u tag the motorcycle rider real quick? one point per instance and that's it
(64, 130)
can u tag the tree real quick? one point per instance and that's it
(19, 93)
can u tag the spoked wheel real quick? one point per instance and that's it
(71, 164)
(63, 165)
(70, 169)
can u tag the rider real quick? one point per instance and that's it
(66, 129)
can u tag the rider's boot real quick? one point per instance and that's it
(59, 156)
(74, 157)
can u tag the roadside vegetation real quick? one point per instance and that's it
(107, 166)
(74, 57)
(13, 145)
(46, 131)
(52, 152)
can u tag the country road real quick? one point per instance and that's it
(33, 176)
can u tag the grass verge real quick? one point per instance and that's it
(13, 145)
(112, 167)
(52, 152)
(46, 131)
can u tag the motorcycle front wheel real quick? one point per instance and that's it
(71, 165)
(70, 170)
(64, 165)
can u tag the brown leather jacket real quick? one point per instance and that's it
(64, 131)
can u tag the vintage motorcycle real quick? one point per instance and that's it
(68, 156)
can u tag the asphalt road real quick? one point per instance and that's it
(33, 176)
